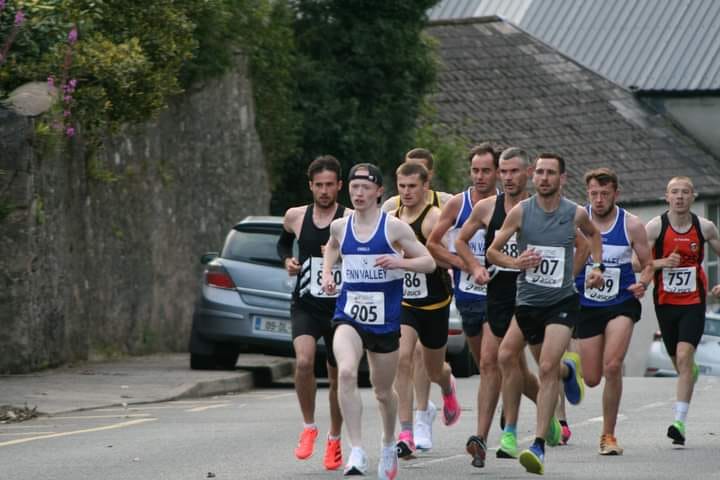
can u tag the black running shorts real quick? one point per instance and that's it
(532, 320)
(499, 315)
(373, 342)
(680, 323)
(306, 322)
(430, 325)
(593, 320)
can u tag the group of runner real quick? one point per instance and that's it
(527, 269)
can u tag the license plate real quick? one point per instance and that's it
(272, 325)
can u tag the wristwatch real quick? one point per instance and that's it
(599, 265)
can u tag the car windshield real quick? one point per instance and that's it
(712, 326)
(253, 244)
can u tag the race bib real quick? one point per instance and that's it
(367, 308)
(610, 287)
(316, 290)
(680, 279)
(468, 285)
(510, 249)
(414, 286)
(549, 273)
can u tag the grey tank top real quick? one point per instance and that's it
(553, 235)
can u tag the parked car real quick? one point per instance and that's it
(707, 355)
(244, 303)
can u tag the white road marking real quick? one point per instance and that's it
(434, 460)
(207, 407)
(81, 417)
(651, 405)
(77, 432)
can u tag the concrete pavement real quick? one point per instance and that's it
(134, 380)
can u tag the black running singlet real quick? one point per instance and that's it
(307, 289)
(503, 285)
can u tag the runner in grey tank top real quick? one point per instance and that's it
(552, 235)
(547, 302)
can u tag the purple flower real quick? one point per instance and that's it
(50, 80)
(73, 84)
(70, 132)
(19, 18)
(66, 113)
(67, 98)
(2, 5)
(72, 36)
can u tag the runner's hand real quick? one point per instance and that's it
(637, 289)
(389, 262)
(594, 279)
(528, 259)
(480, 275)
(716, 290)
(292, 266)
(673, 260)
(328, 284)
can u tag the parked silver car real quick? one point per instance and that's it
(707, 355)
(245, 303)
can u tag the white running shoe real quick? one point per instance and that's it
(388, 466)
(423, 427)
(357, 463)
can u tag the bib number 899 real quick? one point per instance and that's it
(364, 313)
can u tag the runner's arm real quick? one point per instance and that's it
(641, 255)
(710, 232)
(652, 229)
(417, 258)
(474, 223)
(583, 222)
(332, 254)
(285, 242)
(391, 204)
(435, 243)
(582, 252)
(431, 220)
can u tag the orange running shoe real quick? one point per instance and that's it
(306, 444)
(333, 454)
(609, 446)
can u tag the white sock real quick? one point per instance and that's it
(681, 410)
(333, 437)
(310, 425)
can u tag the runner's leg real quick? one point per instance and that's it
(348, 348)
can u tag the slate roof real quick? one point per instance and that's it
(500, 84)
(648, 45)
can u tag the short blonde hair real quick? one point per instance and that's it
(681, 178)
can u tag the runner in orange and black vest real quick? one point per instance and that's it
(678, 238)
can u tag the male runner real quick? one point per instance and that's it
(367, 312)
(677, 238)
(311, 311)
(425, 311)
(547, 302)
(469, 296)
(425, 411)
(488, 214)
(433, 197)
(608, 313)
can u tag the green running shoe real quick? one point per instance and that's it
(695, 372)
(508, 446)
(554, 434)
(676, 431)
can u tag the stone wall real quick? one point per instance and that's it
(106, 264)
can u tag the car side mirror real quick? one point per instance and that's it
(208, 257)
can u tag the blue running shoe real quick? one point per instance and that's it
(533, 459)
(574, 384)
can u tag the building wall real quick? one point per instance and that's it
(107, 263)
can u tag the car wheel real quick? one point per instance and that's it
(202, 362)
(226, 357)
(462, 364)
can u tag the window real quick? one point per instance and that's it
(254, 244)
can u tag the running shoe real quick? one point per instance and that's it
(695, 372)
(451, 407)
(476, 447)
(566, 434)
(405, 445)
(676, 431)
(306, 444)
(357, 462)
(388, 466)
(609, 446)
(423, 427)
(554, 432)
(508, 446)
(533, 459)
(333, 454)
(574, 385)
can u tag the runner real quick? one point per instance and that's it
(367, 313)
(608, 313)
(311, 310)
(426, 411)
(434, 198)
(469, 296)
(677, 238)
(489, 213)
(425, 311)
(547, 302)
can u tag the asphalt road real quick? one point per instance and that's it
(252, 436)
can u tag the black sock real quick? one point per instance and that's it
(540, 442)
(563, 423)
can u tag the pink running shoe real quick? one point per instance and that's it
(451, 407)
(405, 445)
(566, 433)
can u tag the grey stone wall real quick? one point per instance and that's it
(94, 268)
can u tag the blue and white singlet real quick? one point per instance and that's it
(371, 296)
(465, 288)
